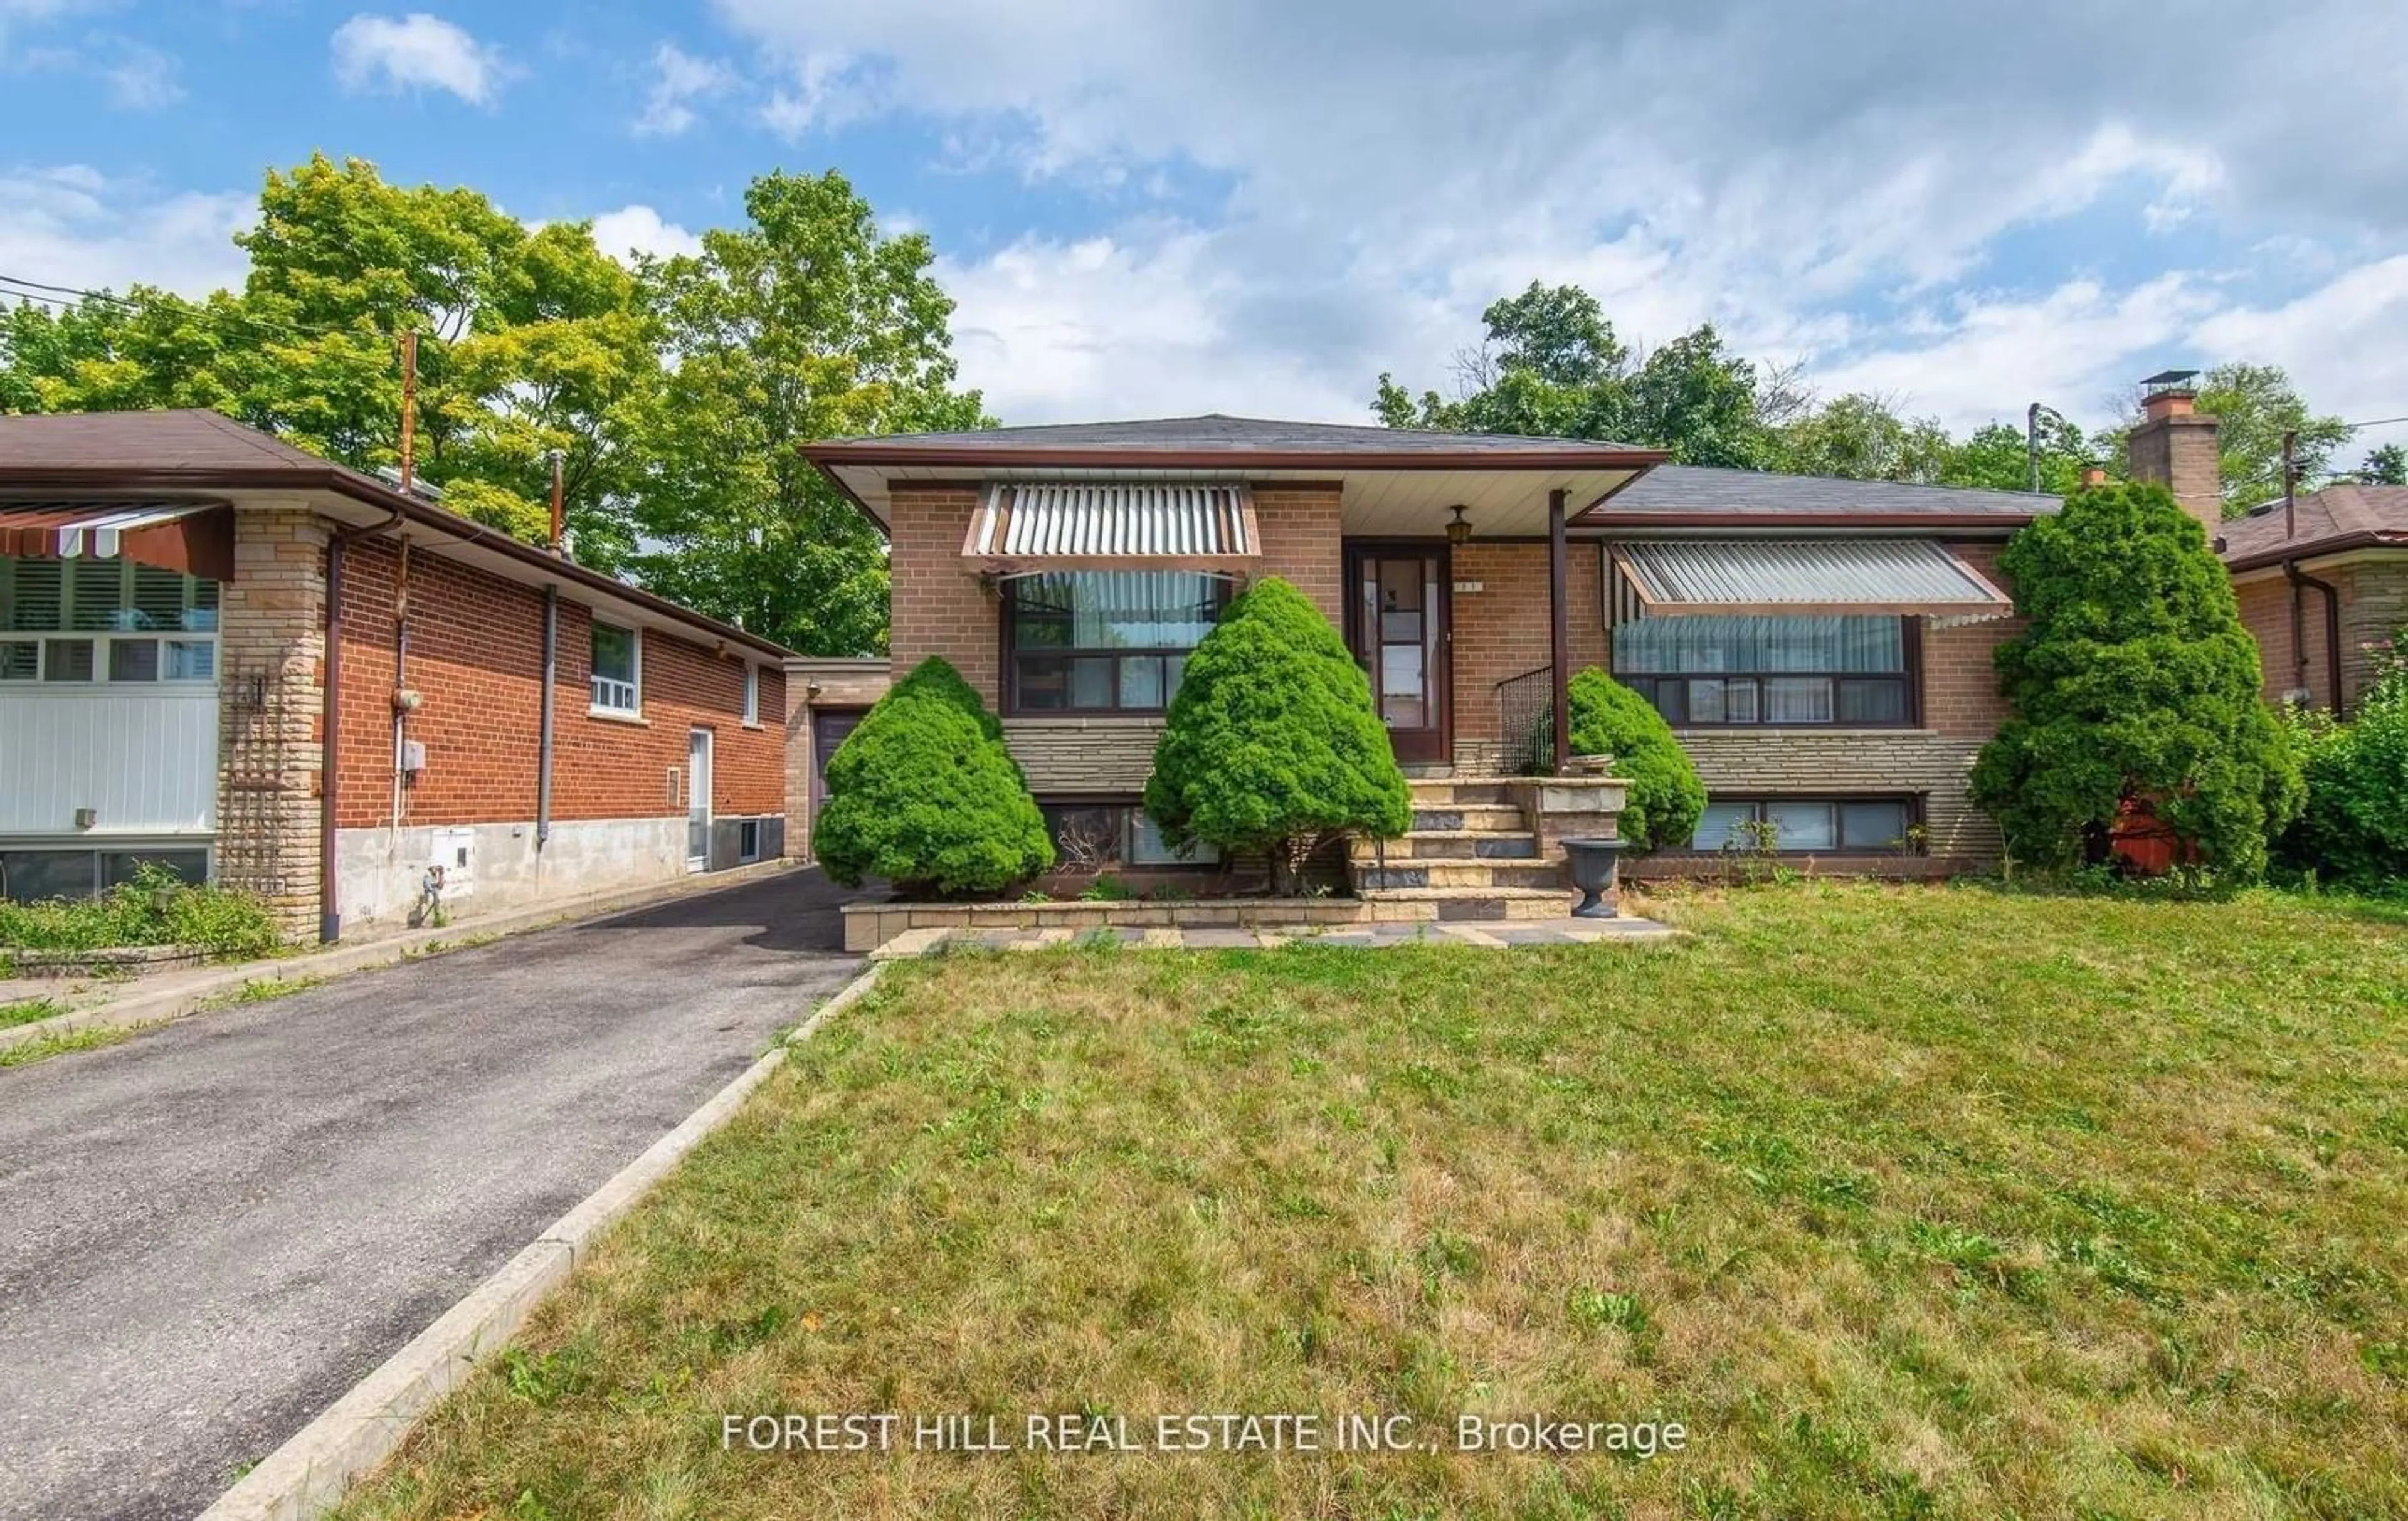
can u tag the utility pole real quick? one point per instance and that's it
(2032, 443)
(559, 520)
(409, 407)
(2290, 482)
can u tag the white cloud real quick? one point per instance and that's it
(144, 78)
(639, 229)
(2344, 342)
(1831, 184)
(72, 225)
(679, 79)
(416, 52)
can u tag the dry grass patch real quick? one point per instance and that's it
(1927, 1202)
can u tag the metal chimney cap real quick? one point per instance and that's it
(2170, 379)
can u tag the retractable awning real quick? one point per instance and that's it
(1817, 577)
(1025, 528)
(195, 537)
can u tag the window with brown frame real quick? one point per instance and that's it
(1717, 670)
(1851, 825)
(1103, 641)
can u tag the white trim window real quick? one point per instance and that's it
(751, 693)
(618, 668)
(90, 622)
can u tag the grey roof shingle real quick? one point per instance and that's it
(1217, 431)
(186, 438)
(1673, 489)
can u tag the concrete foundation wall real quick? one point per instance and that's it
(380, 871)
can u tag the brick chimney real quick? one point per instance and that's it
(2174, 446)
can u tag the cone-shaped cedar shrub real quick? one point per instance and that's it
(2134, 682)
(1666, 797)
(924, 795)
(1270, 743)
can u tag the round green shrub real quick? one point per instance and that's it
(1666, 797)
(924, 795)
(2133, 681)
(1271, 744)
(2353, 832)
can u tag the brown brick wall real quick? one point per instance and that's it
(1960, 674)
(476, 654)
(2266, 612)
(2179, 453)
(1301, 542)
(939, 609)
(1502, 630)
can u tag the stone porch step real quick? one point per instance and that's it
(1455, 791)
(1494, 817)
(1474, 903)
(1450, 844)
(1459, 873)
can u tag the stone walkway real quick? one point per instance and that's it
(1494, 934)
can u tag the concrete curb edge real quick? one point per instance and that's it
(162, 1006)
(309, 1472)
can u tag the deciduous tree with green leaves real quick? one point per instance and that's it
(808, 322)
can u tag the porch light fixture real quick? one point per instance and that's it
(1458, 531)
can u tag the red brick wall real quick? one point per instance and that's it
(475, 656)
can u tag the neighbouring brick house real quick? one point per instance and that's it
(1822, 648)
(182, 600)
(2322, 580)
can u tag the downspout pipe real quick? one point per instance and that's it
(330, 909)
(543, 742)
(2298, 578)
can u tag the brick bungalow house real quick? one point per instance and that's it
(1822, 648)
(182, 602)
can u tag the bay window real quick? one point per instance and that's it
(115, 620)
(1725, 669)
(1103, 641)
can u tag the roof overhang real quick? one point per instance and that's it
(356, 500)
(1405, 491)
(2301, 551)
(1805, 578)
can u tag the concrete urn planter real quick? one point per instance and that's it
(1592, 863)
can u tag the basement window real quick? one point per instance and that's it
(618, 669)
(1855, 826)
(1091, 836)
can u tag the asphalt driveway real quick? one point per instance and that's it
(208, 1233)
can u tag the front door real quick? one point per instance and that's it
(697, 799)
(1398, 633)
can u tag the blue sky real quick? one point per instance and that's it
(1257, 206)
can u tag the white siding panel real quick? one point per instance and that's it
(145, 762)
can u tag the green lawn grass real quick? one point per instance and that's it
(1946, 1202)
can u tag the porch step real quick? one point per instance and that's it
(1459, 873)
(1452, 792)
(1452, 816)
(1453, 844)
(1475, 903)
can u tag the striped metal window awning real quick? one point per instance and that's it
(1025, 528)
(195, 537)
(1667, 577)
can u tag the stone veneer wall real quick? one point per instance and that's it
(2373, 608)
(1818, 762)
(271, 748)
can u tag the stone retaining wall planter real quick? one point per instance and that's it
(110, 961)
(870, 925)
